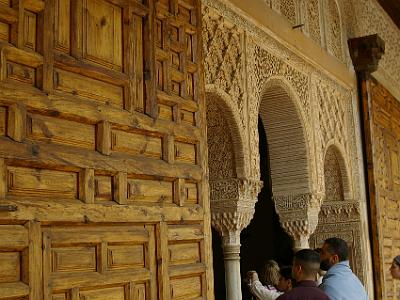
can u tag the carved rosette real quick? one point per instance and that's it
(298, 215)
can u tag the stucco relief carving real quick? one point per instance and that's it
(335, 124)
(234, 193)
(334, 190)
(350, 231)
(288, 9)
(334, 30)
(232, 204)
(298, 215)
(370, 19)
(230, 224)
(223, 49)
(221, 158)
(339, 212)
(313, 20)
(265, 59)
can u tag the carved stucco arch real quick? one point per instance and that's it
(278, 86)
(290, 145)
(342, 28)
(339, 152)
(339, 215)
(232, 116)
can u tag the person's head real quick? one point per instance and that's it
(305, 265)
(285, 281)
(271, 273)
(395, 267)
(333, 251)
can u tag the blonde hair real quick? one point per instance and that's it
(271, 274)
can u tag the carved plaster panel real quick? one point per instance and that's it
(336, 126)
(339, 212)
(221, 158)
(313, 20)
(288, 9)
(348, 230)
(370, 19)
(333, 178)
(333, 27)
(223, 44)
(234, 194)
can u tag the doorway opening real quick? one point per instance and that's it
(264, 238)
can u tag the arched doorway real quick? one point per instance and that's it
(285, 173)
(264, 238)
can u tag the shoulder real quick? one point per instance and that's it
(283, 297)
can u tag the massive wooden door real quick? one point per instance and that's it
(103, 193)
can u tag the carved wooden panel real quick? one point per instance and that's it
(102, 151)
(386, 139)
(176, 58)
(115, 260)
(41, 182)
(3, 120)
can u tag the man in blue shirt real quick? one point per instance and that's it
(339, 283)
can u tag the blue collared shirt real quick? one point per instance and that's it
(340, 283)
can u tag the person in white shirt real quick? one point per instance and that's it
(276, 282)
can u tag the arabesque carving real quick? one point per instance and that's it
(298, 215)
(221, 156)
(334, 30)
(313, 20)
(234, 194)
(229, 223)
(288, 9)
(223, 48)
(370, 18)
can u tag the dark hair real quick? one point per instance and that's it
(286, 272)
(309, 260)
(339, 247)
(397, 260)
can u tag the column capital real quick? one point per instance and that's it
(298, 215)
(230, 224)
(233, 194)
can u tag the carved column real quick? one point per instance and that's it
(232, 208)
(298, 215)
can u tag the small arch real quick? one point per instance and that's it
(218, 99)
(288, 146)
(289, 10)
(312, 18)
(337, 183)
(334, 29)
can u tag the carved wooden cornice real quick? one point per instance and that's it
(366, 52)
